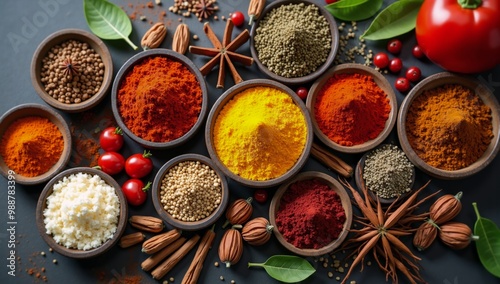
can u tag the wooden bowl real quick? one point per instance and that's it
(321, 69)
(358, 176)
(26, 110)
(352, 68)
(346, 204)
(129, 65)
(184, 225)
(59, 37)
(219, 105)
(76, 253)
(488, 98)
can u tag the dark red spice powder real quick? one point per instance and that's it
(310, 214)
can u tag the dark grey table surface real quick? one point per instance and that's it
(24, 24)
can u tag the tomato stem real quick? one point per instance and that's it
(470, 4)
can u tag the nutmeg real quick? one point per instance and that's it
(425, 235)
(445, 208)
(239, 212)
(456, 235)
(257, 231)
(154, 36)
(231, 246)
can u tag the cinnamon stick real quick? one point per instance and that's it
(330, 160)
(194, 270)
(170, 262)
(153, 260)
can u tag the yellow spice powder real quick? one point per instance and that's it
(260, 133)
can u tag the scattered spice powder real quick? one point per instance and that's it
(310, 214)
(31, 146)
(351, 109)
(449, 127)
(159, 100)
(253, 138)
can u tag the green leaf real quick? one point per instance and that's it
(107, 21)
(286, 268)
(354, 10)
(398, 18)
(488, 244)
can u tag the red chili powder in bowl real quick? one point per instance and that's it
(310, 215)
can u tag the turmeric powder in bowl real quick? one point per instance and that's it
(260, 133)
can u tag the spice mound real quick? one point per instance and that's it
(82, 211)
(351, 109)
(310, 215)
(159, 100)
(72, 72)
(260, 133)
(31, 146)
(449, 127)
(388, 172)
(293, 40)
(190, 191)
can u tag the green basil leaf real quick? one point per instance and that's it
(286, 268)
(354, 10)
(107, 21)
(488, 244)
(398, 18)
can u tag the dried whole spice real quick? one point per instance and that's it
(445, 208)
(146, 223)
(257, 231)
(180, 42)
(239, 212)
(231, 246)
(456, 235)
(131, 239)
(158, 242)
(255, 8)
(194, 270)
(425, 235)
(154, 36)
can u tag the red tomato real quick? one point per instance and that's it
(413, 74)
(394, 46)
(111, 163)
(135, 191)
(139, 165)
(330, 1)
(238, 18)
(460, 36)
(111, 139)
(395, 65)
(260, 195)
(302, 92)
(402, 84)
(381, 60)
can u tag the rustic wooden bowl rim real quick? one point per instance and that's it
(346, 204)
(124, 71)
(229, 95)
(354, 68)
(196, 225)
(483, 92)
(33, 109)
(75, 253)
(321, 69)
(61, 36)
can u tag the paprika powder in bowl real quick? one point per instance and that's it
(35, 144)
(311, 214)
(192, 180)
(159, 98)
(353, 108)
(72, 70)
(259, 133)
(448, 126)
(294, 42)
(81, 213)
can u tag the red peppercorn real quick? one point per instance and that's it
(402, 84)
(417, 52)
(396, 65)
(381, 60)
(302, 92)
(413, 74)
(394, 46)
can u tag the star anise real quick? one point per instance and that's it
(70, 68)
(223, 53)
(204, 9)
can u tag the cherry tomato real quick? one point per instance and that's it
(417, 52)
(413, 74)
(260, 195)
(394, 46)
(111, 139)
(381, 60)
(135, 191)
(302, 92)
(402, 84)
(111, 162)
(139, 165)
(396, 65)
(330, 1)
(238, 18)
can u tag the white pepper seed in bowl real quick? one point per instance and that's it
(190, 191)
(72, 72)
